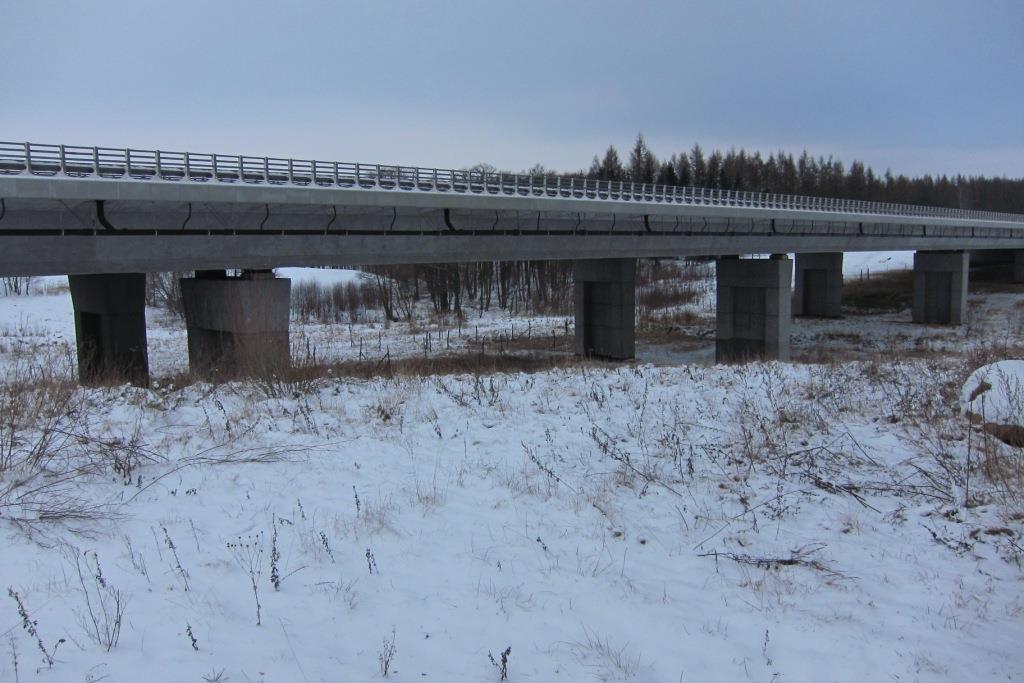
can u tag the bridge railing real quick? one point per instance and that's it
(18, 158)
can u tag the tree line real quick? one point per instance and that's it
(785, 173)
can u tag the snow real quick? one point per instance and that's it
(604, 521)
(327, 277)
(1002, 401)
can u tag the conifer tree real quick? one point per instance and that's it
(642, 164)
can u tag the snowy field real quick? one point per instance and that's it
(836, 519)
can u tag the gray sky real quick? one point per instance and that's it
(916, 86)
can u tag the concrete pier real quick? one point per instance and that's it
(753, 309)
(110, 328)
(606, 308)
(818, 286)
(236, 325)
(940, 287)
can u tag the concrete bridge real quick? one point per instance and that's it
(106, 216)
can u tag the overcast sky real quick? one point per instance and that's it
(916, 86)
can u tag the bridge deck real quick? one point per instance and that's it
(70, 209)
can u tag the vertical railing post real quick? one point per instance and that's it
(28, 157)
(159, 166)
(96, 160)
(63, 161)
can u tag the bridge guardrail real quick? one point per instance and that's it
(17, 158)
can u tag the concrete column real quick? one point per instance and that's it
(818, 286)
(110, 328)
(753, 309)
(606, 308)
(940, 287)
(236, 325)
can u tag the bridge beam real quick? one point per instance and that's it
(110, 328)
(753, 309)
(237, 326)
(940, 287)
(606, 308)
(818, 286)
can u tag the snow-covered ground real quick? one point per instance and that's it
(643, 522)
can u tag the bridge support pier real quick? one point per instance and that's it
(110, 328)
(940, 287)
(237, 326)
(818, 287)
(606, 308)
(753, 309)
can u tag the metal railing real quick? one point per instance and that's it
(19, 158)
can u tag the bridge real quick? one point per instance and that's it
(106, 216)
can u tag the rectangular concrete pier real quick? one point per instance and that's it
(606, 308)
(236, 325)
(110, 328)
(818, 286)
(940, 287)
(753, 309)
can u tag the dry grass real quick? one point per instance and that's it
(47, 447)
(305, 377)
(889, 291)
(993, 279)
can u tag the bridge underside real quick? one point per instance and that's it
(45, 236)
(25, 256)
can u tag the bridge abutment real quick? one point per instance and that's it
(110, 328)
(818, 285)
(940, 287)
(753, 308)
(236, 325)
(606, 308)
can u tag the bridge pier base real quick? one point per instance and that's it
(753, 309)
(818, 286)
(237, 326)
(940, 287)
(110, 328)
(605, 308)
